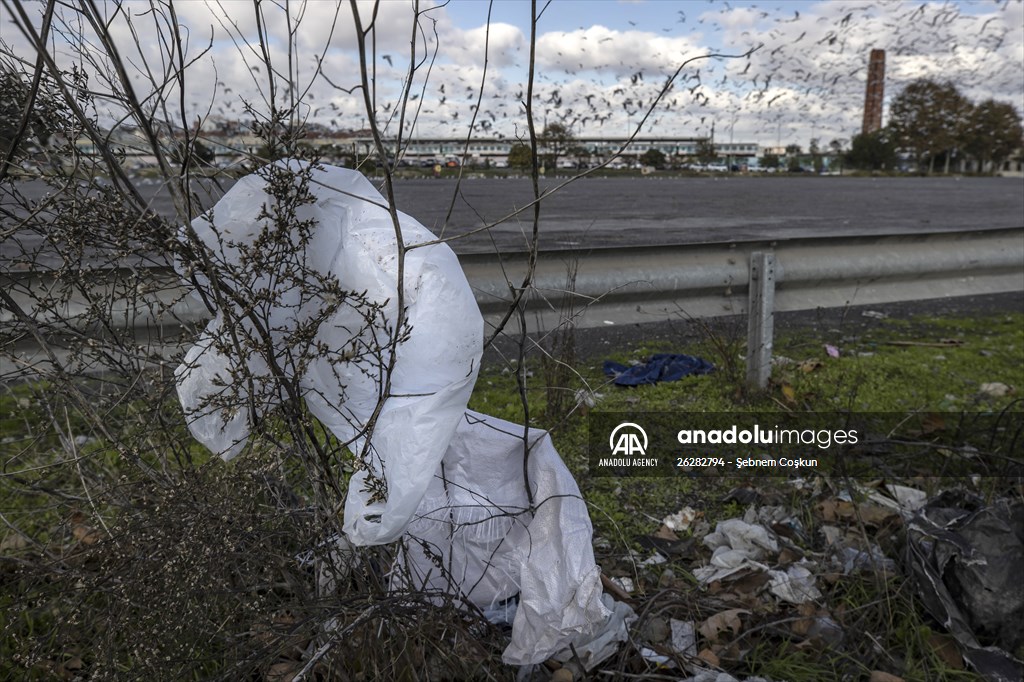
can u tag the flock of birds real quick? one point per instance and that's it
(774, 69)
(801, 71)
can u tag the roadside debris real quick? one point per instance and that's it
(447, 483)
(681, 520)
(966, 557)
(658, 368)
(768, 574)
(996, 389)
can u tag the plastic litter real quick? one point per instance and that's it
(661, 367)
(684, 637)
(736, 545)
(681, 520)
(455, 485)
(873, 559)
(353, 240)
(899, 497)
(795, 585)
(474, 536)
(966, 559)
(714, 676)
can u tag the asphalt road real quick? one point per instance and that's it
(618, 211)
(600, 212)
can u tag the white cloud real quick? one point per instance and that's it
(807, 76)
(612, 52)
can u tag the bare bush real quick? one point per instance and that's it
(131, 551)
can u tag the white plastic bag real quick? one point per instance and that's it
(352, 238)
(455, 482)
(474, 536)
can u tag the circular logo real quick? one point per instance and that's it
(628, 439)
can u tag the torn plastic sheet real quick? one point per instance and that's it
(966, 559)
(455, 484)
(871, 559)
(739, 545)
(352, 239)
(474, 536)
(684, 637)
(736, 545)
(795, 584)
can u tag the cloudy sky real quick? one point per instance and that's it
(789, 71)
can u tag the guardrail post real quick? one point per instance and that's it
(760, 319)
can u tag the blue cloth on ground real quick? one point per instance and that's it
(660, 367)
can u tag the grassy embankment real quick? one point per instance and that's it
(901, 366)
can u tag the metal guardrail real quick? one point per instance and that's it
(638, 284)
(627, 285)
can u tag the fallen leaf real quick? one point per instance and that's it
(750, 583)
(789, 556)
(808, 366)
(800, 626)
(946, 648)
(283, 672)
(830, 509)
(833, 510)
(562, 675)
(85, 534)
(718, 623)
(831, 578)
(932, 423)
(789, 393)
(12, 543)
(669, 548)
(708, 656)
(665, 533)
(875, 514)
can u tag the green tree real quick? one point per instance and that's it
(993, 131)
(199, 154)
(928, 118)
(793, 153)
(706, 152)
(653, 157)
(872, 151)
(580, 153)
(836, 152)
(769, 160)
(520, 156)
(555, 140)
(816, 158)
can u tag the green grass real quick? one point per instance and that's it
(874, 373)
